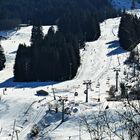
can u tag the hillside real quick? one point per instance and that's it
(98, 61)
(20, 103)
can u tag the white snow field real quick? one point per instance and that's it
(19, 102)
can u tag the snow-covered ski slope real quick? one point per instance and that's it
(20, 102)
(97, 63)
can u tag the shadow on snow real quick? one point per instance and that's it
(10, 84)
(113, 44)
(49, 123)
(14, 52)
(117, 49)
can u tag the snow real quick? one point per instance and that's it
(19, 102)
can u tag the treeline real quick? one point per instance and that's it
(129, 31)
(83, 25)
(2, 58)
(49, 12)
(56, 51)
(7, 24)
(53, 57)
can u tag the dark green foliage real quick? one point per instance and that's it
(36, 40)
(123, 90)
(2, 58)
(6, 24)
(23, 65)
(55, 58)
(92, 28)
(129, 32)
(37, 35)
(48, 12)
(83, 25)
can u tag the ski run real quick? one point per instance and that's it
(21, 108)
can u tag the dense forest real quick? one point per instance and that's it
(55, 56)
(50, 57)
(49, 12)
(2, 58)
(129, 31)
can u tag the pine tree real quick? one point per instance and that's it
(55, 58)
(2, 58)
(133, 5)
(127, 32)
(37, 35)
(23, 65)
(36, 43)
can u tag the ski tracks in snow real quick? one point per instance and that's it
(95, 61)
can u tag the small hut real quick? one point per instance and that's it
(42, 93)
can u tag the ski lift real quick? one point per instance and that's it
(85, 92)
(76, 94)
(124, 72)
(108, 78)
(98, 99)
(75, 110)
(67, 111)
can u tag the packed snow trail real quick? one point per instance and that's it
(101, 56)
